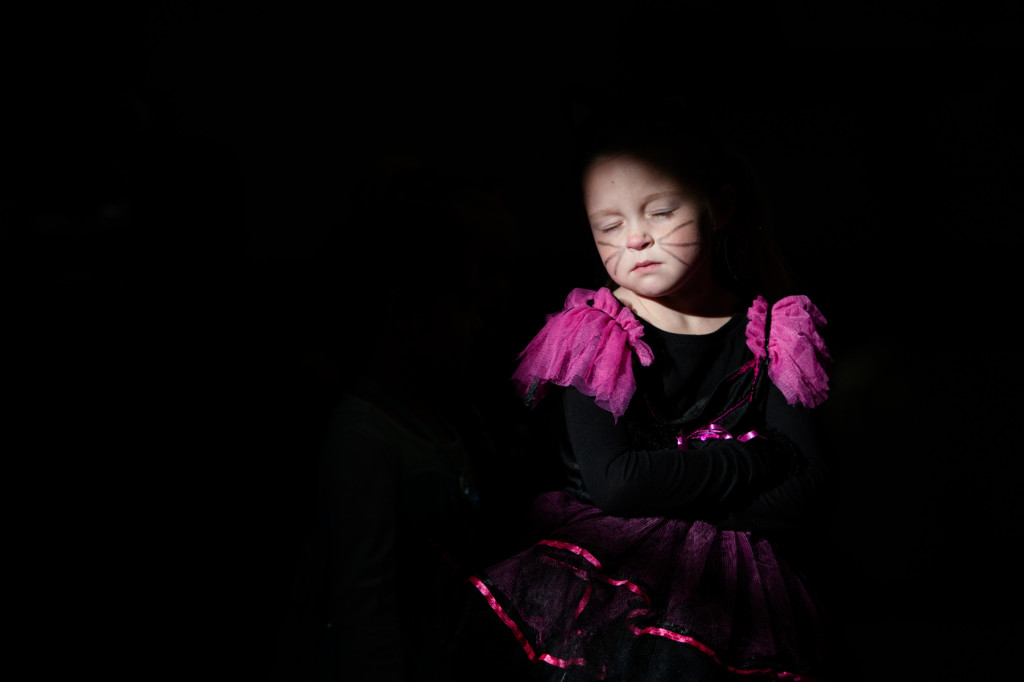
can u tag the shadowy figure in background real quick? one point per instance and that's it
(698, 479)
(413, 491)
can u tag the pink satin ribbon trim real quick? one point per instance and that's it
(576, 549)
(703, 648)
(496, 607)
(712, 432)
(636, 630)
(560, 662)
(530, 653)
(584, 600)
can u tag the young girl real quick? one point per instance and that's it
(688, 387)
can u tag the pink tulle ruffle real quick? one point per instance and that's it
(798, 360)
(589, 346)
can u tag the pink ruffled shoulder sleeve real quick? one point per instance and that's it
(589, 346)
(798, 361)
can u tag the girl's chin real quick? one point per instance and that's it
(650, 289)
(667, 284)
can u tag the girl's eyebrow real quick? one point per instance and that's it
(601, 213)
(648, 199)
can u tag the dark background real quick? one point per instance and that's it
(178, 238)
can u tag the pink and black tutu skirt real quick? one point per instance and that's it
(601, 595)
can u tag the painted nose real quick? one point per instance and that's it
(638, 240)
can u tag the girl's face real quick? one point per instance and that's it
(646, 225)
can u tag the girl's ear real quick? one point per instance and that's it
(724, 205)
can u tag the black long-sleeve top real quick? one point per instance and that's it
(635, 468)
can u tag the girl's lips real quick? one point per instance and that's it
(645, 266)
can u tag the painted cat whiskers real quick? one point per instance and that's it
(614, 259)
